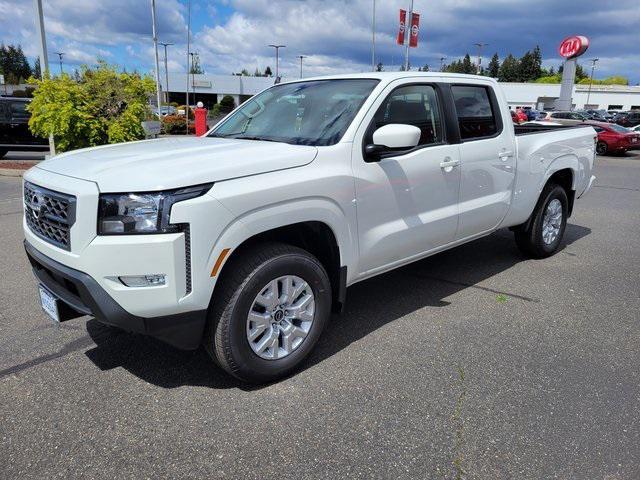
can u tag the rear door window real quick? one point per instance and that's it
(474, 109)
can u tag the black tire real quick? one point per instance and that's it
(530, 240)
(225, 336)
(3, 152)
(602, 148)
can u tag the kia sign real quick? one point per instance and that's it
(572, 47)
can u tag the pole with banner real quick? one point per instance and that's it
(410, 23)
(406, 48)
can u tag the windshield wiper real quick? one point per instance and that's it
(250, 137)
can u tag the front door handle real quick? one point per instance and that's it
(504, 156)
(448, 163)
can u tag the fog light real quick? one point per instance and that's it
(155, 280)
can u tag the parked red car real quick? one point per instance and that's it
(613, 138)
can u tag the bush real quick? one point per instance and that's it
(101, 106)
(227, 104)
(176, 125)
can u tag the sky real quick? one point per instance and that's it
(334, 35)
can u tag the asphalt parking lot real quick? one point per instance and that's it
(475, 363)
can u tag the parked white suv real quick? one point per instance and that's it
(246, 239)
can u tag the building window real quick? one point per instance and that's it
(635, 107)
(615, 107)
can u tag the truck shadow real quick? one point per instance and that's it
(370, 305)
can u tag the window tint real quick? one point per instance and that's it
(415, 105)
(598, 129)
(476, 117)
(19, 110)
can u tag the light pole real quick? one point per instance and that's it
(166, 71)
(301, 57)
(155, 50)
(277, 47)
(188, 60)
(442, 59)
(44, 60)
(60, 54)
(408, 21)
(194, 55)
(480, 45)
(373, 38)
(593, 67)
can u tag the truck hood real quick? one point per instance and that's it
(176, 162)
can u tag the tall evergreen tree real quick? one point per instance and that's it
(509, 69)
(467, 66)
(494, 66)
(268, 72)
(36, 69)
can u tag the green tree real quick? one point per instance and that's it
(195, 65)
(268, 72)
(467, 66)
(227, 104)
(509, 69)
(379, 67)
(36, 69)
(103, 106)
(14, 64)
(494, 66)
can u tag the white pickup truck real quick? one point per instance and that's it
(245, 240)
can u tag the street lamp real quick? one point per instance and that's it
(44, 60)
(593, 67)
(301, 57)
(166, 70)
(373, 38)
(480, 45)
(60, 54)
(277, 47)
(155, 50)
(194, 56)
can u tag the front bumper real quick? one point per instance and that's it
(84, 295)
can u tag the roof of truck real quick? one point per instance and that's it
(389, 76)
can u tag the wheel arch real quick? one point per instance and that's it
(323, 232)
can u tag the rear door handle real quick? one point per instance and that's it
(448, 163)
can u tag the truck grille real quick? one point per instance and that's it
(49, 215)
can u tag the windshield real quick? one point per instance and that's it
(618, 128)
(305, 113)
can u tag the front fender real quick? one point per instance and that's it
(270, 217)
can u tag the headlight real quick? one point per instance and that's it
(134, 213)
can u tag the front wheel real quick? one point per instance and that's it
(544, 234)
(268, 313)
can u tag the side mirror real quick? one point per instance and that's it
(395, 136)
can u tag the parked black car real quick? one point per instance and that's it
(628, 119)
(14, 127)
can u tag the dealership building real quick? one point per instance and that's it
(209, 89)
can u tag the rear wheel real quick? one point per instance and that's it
(601, 148)
(268, 313)
(543, 236)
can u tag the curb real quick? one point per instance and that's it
(11, 172)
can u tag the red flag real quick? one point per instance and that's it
(402, 27)
(415, 28)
